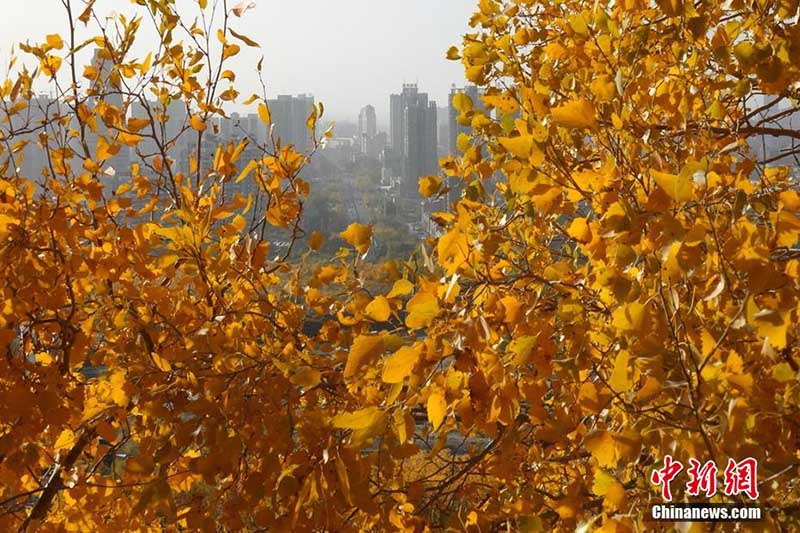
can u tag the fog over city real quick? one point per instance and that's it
(349, 53)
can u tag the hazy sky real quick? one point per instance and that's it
(348, 53)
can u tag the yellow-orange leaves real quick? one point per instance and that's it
(453, 250)
(400, 364)
(359, 236)
(580, 231)
(197, 123)
(577, 113)
(379, 309)
(365, 349)
(422, 309)
(678, 187)
(361, 419)
(437, 408)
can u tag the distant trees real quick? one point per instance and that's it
(628, 290)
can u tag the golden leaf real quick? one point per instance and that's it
(359, 236)
(264, 114)
(575, 114)
(379, 309)
(603, 447)
(579, 230)
(401, 287)
(429, 185)
(65, 440)
(316, 241)
(362, 419)
(55, 42)
(365, 349)
(679, 188)
(422, 309)
(399, 365)
(437, 408)
(197, 123)
(306, 377)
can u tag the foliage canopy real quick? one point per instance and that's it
(619, 282)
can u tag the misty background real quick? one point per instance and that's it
(346, 53)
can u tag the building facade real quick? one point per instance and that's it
(413, 137)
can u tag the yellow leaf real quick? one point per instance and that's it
(771, 325)
(247, 170)
(782, 373)
(619, 381)
(161, 363)
(629, 317)
(359, 236)
(580, 231)
(613, 492)
(137, 124)
(400, 364)
(401, 287)
(246, 40)
(230, 50)
(429, 185)
(520, 147)
(578, 24)
(602, 446)
(104, 150)
(118, 393)
(316, 241)
(604, 88)
(87, 12)
(437, 409)
(361, 419)
(365, 349)
(422, 309)
(129, 139)
(306, 377)
(145, 65)
(462, 102)
(197, 123)
(54, 41)
(522, 348)
(574, 114)
(679, 188)
(379, 309)
(65, 440)
(513, 309)
(264, 114)
(239, 223)
(453, 250)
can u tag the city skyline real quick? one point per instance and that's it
(365, 45)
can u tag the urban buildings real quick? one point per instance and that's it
(367, 122)
(413, 137)
(370, 142)
(289, 116)
(455, 128)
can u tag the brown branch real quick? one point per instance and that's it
(53, 484)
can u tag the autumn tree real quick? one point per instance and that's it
(618, 282)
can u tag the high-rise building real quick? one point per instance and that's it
(370, 143)
(289, 116)
(169, 126)
(367, 122)
(414, 137)
(455, 128)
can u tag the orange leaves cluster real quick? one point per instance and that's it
(618, 281)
